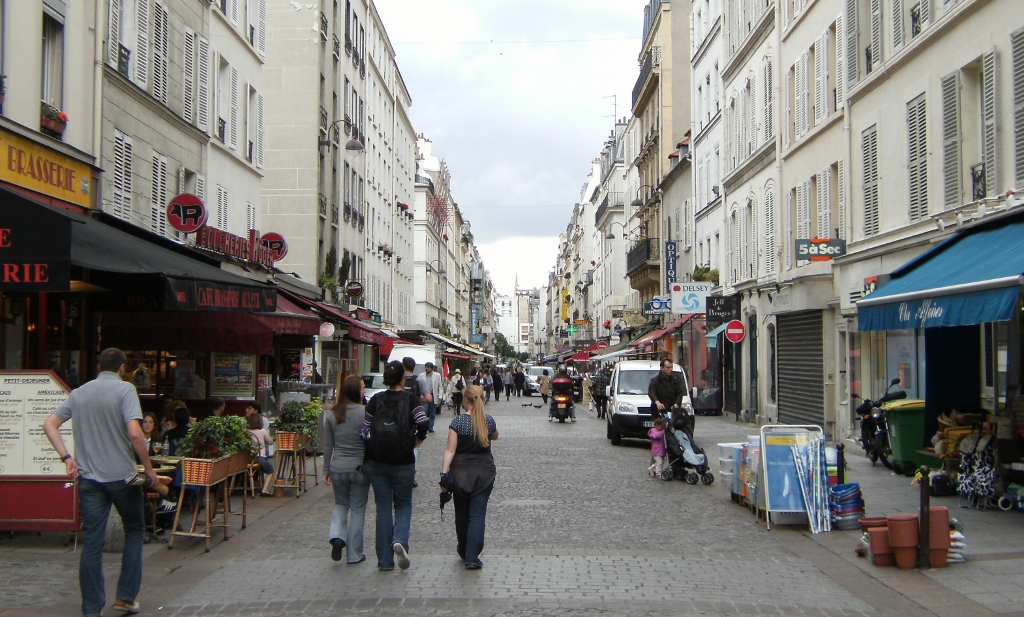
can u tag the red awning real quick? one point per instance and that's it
(457, 356)
(357, 330)
(657, 334)
(290, 319)
(582, 356)
(596, 346)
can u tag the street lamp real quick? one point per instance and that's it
(636, 203)
(439, 269)
(610, 235)
(352, 145)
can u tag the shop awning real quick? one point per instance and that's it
(712, 336)
(583, 356)
(290, 319)
(657, 334)
(458, 346)
(357, 330)
(973, 277)
(456, 356)
(622, 348)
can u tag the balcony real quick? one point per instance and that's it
(323, 118)
(222, 127)
(348, 43)
(611, 200)
(651, 61)
(362, 221)
(323, 26)
(978, 188)
(337, 47)
(334, 215)
(348, 211)
(644, 252)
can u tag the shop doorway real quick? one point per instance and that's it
(801, 368)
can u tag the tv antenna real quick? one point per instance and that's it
(615, 106)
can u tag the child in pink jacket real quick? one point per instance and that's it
(657, 447)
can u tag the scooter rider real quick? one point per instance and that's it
(666, 390)
(561, 384)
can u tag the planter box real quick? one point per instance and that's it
(237, 463)
(204, 471)
(291, 441)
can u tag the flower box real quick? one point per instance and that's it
(204, 471)
(237, 463)
(291, 441)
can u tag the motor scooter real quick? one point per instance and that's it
(874, 429)
(562, 404)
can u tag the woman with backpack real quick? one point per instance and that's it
(344, 456)
(468, 471)
(455, 388)
(394, 424)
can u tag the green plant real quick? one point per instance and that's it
(346, 264)
(216, 436)
(705, 274)
(296, 417)
(49, 111)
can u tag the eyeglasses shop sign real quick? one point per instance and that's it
(690, 297)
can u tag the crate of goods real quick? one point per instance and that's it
(204, 471)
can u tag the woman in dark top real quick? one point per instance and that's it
(470, 466)
(344, 454)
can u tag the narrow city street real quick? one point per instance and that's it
(575, 527)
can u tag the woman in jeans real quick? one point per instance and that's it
(391, 470)
(470, 469)
(344, 451)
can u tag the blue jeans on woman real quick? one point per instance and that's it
(95, 499)
(351, 491)
(470, 519)
(392, 493)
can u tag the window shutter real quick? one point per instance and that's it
(769, 128)
(769, 231)
(203, 86)
(926, 12)
(869, 148)
(785, 13)
(752, 118)
(840, 62)
(989, 99)
(181, 180)
(259, 130)
(250, 216)
(161, 51)
(222, 207)
(821, 78)
(786, 112)
(141, 42)
(234, 11)
(752, 234)
(918, 153)
(189, 78)
(876, 33)
(1017, 52)
(841, 196)
(738, 249)
(787, 239)
(158, 201)
(803, 210)
(897, 24)
(950, 86)
(122, 193)
(201, 188)
(852, 44)
(800, 93)
(214, 91)
(726, 274)
(234, 108)
(114, 33)
(261, 27)
(825, 203)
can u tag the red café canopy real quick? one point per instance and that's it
(582, 356)
(657, 334)
(357, 330)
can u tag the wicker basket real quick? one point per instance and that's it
(204, 471)
(237, 463)
(291, 441)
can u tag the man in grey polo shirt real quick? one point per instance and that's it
(107, 436)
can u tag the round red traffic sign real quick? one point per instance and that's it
(186, 213)
(735, 331)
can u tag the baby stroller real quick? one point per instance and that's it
(684, 459)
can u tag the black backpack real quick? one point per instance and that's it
(460, 384)
(391, 431)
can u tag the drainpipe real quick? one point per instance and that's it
(97, 93)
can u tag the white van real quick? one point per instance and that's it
(629, 407)
(420, 353)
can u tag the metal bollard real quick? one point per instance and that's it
(924, 518)
(840, 464)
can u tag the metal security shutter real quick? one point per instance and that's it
(800, 368)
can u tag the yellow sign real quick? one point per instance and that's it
(38, 168)
(565, 305)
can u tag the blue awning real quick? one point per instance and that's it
(972, 278)
(712, 337)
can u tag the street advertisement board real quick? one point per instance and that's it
(795, 476)
(689, 297)
(671, 255)
(234, 375)
(722, 309)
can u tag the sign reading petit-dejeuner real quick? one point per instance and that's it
(26, 400)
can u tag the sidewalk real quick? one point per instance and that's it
(992, 578)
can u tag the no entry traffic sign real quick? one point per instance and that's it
(735, 331)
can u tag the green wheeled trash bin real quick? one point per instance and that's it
(906, 434)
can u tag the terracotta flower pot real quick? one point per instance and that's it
(937, 556)
(938, 528)
(873, 521)
(881, 553)
(903, 531)
(906, 557)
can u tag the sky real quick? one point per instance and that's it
(517, 98)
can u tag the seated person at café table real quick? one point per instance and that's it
(181, 426)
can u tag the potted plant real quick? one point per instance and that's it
(297, 424)
(209, 446)
(52, 121)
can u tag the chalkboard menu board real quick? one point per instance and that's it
(27, 398)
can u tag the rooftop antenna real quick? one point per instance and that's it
(615, 105)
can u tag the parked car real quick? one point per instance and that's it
(374, 383)
(629, 407)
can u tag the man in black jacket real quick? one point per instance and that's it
(666, 390)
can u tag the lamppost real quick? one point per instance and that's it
(636, 203)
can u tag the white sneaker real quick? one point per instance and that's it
(401, 556)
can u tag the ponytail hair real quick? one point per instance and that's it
(474, 395)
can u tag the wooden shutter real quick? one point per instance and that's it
(259, 130)
(876, 34)
(821, 78)
(787, 115)
(918, 157)
(250, 216)
(840, 62)
(825, 203)
(869, 150)
(203, 86)
(785, 13)
(769, 231)
(841, 197)
(189, 77)
(852, 43)
(897, 24)
(234, 108)
(737, 248)
(926, 13)
(201, 188)
(222, 207)
(141, 42)
(989, 100)
(161, 52)
(114, 33)
(803, 210)
(233, 9)
(261, 27)
(752, 235)
(122, 193)
(1017, 53)
(752, 118)
(214, 91)
(800, 93)
(787, 238)
(158, 200)
(952, 181)
(769, 120)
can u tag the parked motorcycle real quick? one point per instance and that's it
(874, 429)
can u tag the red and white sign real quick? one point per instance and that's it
(187, 213)
(735, 331)
(354, 289)
(326, 329)
(276, 243)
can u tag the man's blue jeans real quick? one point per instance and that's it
(470, 519)
(347, 520)
(431, 410)
(392, 493)
(95, 499)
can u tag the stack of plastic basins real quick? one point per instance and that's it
(938, 536)
(729, 456)
(847, 506)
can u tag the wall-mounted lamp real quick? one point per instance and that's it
(352, 145)
(636, 203)
(610, 235)
(438, 269)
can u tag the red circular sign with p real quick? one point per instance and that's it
(277, 245)
(186, 213)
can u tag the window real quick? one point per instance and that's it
(161, 51)
(233, 114)
(787, 112)
(53, 62)
(121, 196)
(769, 129)
(869, 150)
(254, 128)
(873, 53)
(821, 61)
(824, 191)
(801, 92)
(951, 170)
(917, 136)
(128, 39)
(158, 199)
(803, 213)
(250, 216)
(196, 80)
(852, 41)
(222, 207)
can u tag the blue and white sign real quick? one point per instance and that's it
(670, 264)
(689, 297)
(661, 304)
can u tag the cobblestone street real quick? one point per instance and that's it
(575, 527)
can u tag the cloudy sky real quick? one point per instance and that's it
(517, 99)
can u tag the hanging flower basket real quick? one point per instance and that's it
(52, 119)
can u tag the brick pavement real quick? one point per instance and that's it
(575, 527)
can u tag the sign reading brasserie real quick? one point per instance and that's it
(27, 398)
(35, 247)
(40, 169)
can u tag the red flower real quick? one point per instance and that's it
(63, 116)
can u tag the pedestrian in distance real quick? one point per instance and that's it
(263, 438)
(468, 471)
(666, 390)
(344, 457)
(487, 383)
(657, 436)
(519, 379)
(506, 379)
(544, 385)
(432, 387)
(599, 389)
(108, 439)
(394, 424)
(456, 385)
(496, 382)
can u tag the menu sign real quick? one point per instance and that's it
(234, 374)
(27, 398)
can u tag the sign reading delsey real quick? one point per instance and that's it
(38, 168)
